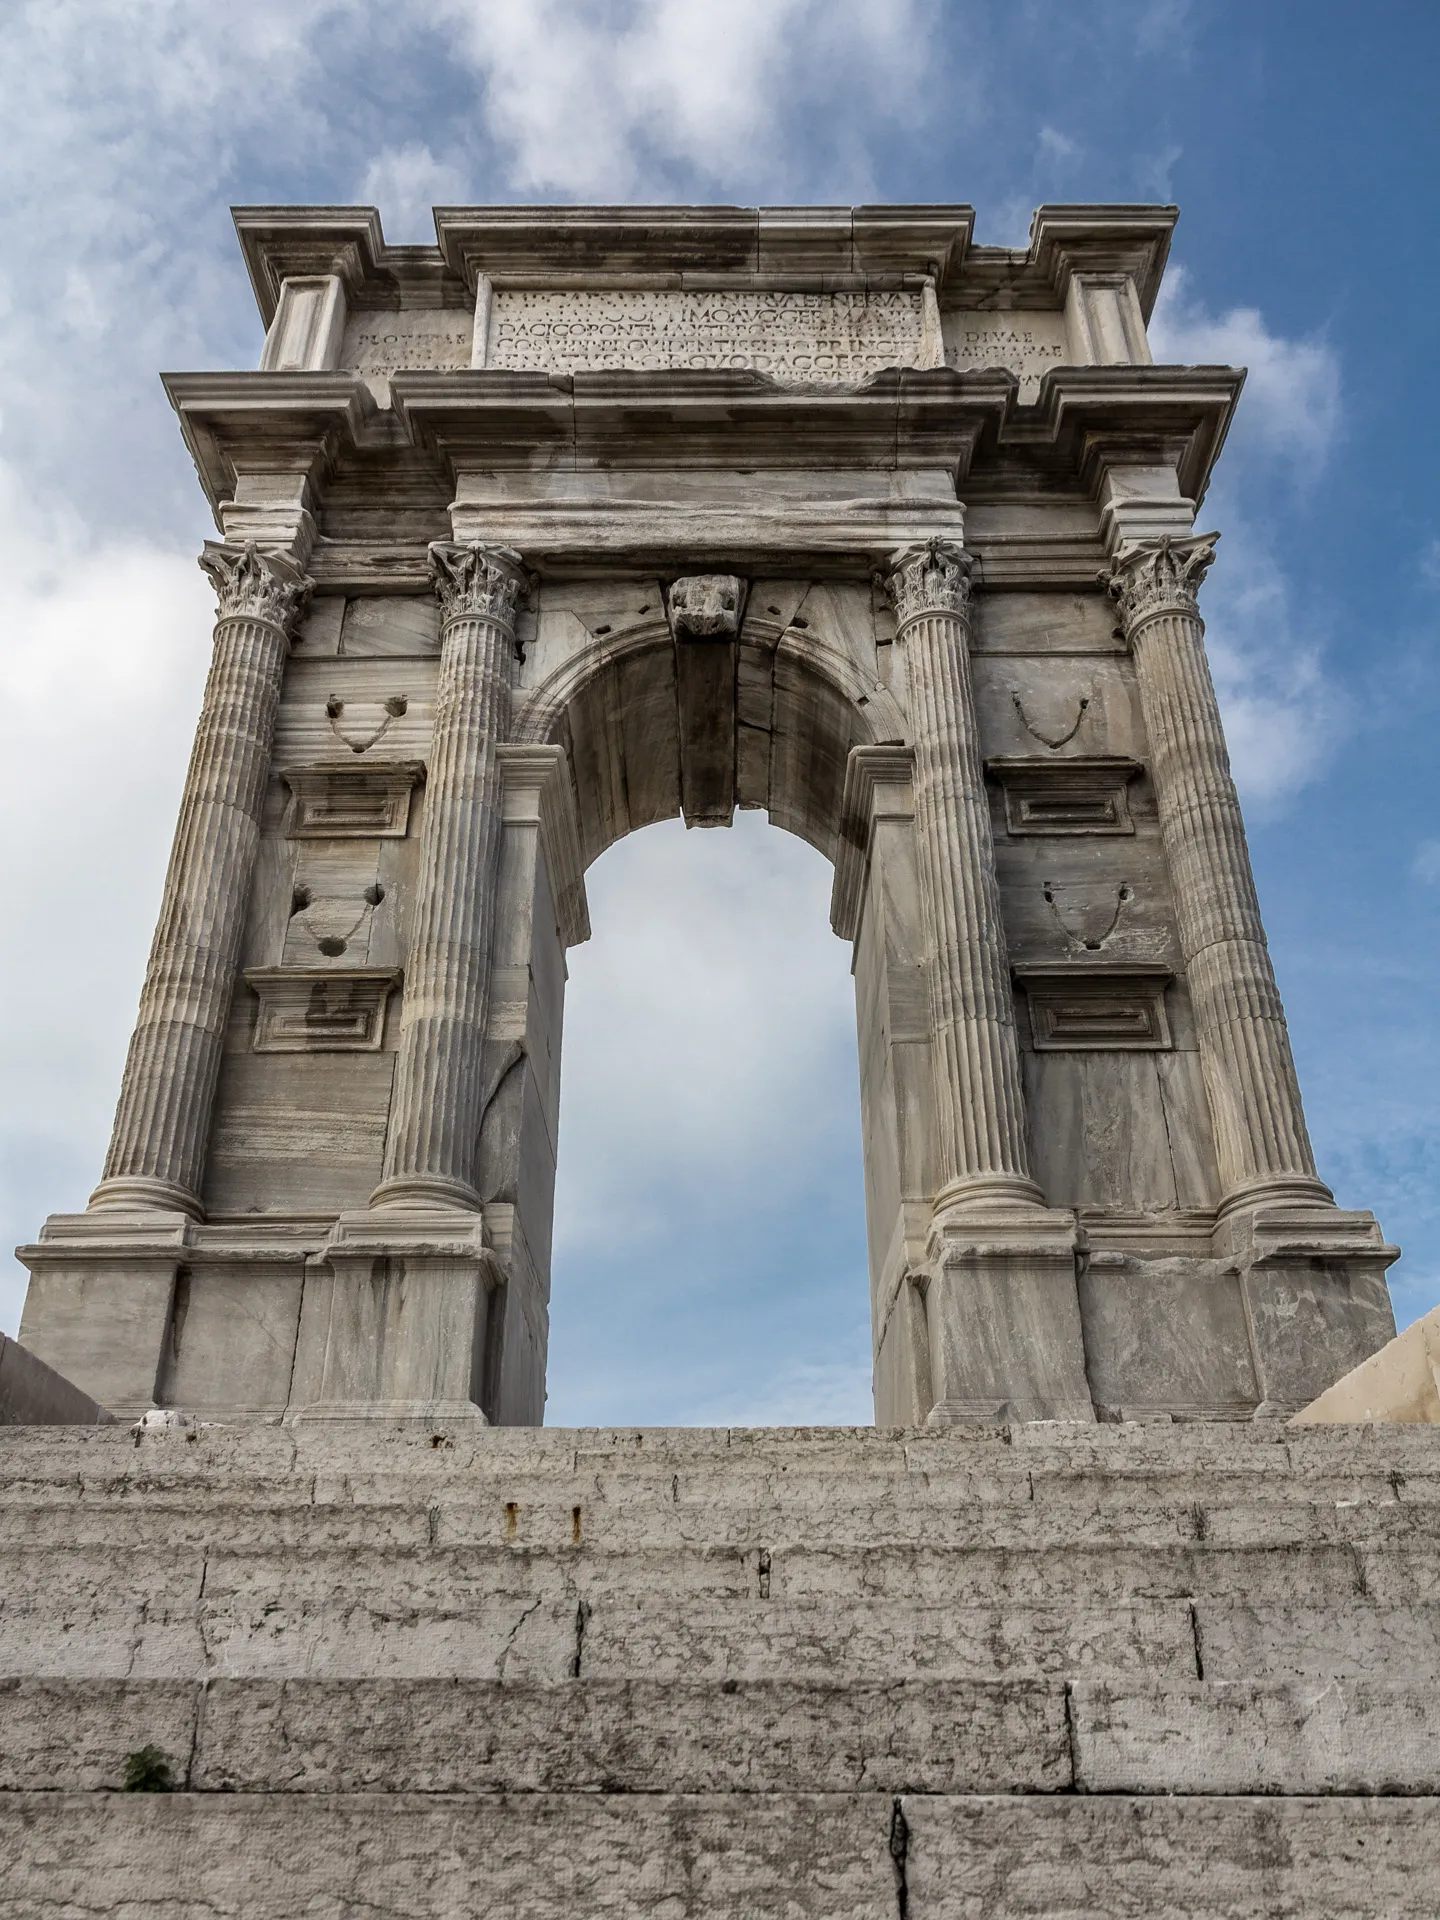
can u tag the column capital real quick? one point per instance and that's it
(251, 585)
(1161, 576)
(932, 578)
(473, 581)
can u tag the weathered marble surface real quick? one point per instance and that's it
(822, 511)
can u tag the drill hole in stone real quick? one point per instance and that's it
(396, 705)
(374, 895)
(332, 946)
(299, 900)
(798, 622)
(599, 631)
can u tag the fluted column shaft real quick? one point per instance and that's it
(1261, 1143)
(979, 1102)
(435, 1111)
(162, 1122)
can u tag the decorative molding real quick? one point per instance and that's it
(543, 774)
(337, 1011)
(706, 606)
(1164, 578)
(1081, 795)
(478, 582)
(251, 585)
(1075, 1008)
(867, 771)
(365, 800)
(934, 577)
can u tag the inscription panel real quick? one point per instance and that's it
(792, 336)
(1028, 343)
(390, 342)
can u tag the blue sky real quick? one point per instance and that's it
(710, 1261)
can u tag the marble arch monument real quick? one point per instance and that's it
(584, 518)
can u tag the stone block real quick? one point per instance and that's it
(438, 1857)
(1401, 1382)
(1204, 1858)
(74, 1736)
(32, 1394)
(1306, 1737)
(634, 1736)
(1354, 1640)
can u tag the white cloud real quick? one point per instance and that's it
(1291, 404)
(1282, 713)
(710, 1031)
(406, 183)
(626, 99)
(100, 677)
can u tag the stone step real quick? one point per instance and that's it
(281, 1856)
(774, 1736)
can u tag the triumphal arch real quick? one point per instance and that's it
(584, 518)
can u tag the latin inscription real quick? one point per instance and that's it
(1029, 344)
(791, 336)
(391, 342)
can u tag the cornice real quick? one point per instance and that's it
(695, 419)
(805, 248)
(266, 422)
(1088, 418)
(700, 246)
(938, 420)
(279, 242)
(1065, 240)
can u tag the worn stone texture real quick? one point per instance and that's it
(1060, 1669)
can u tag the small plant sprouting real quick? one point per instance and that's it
(148, 1771)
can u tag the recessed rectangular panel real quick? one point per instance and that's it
(1093, 1010)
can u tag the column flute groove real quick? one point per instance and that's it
(435, 1109)
(162, 1120)
(979, 1103)
(1262, 1145)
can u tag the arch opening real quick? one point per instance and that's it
(709, 1261)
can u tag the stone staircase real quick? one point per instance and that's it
(1153, 1670)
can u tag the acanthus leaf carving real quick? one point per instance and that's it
(477, 582)
(933, 578)
(1164, 577)
(254, 585)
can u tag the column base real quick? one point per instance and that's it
(98, 1306)
(1312, 1279)
(1004, 1317)
(978, 1192)
(139, 1193)
(425, 1192)
(395, 1319)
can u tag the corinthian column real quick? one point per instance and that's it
(979, 1105)
(157, 1148)
(435, 1112)
(1261, 1144)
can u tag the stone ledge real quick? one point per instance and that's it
(673, 1857)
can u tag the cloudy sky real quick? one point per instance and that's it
(710, 1260)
